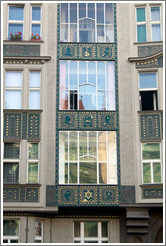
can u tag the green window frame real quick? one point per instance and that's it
(33, 163)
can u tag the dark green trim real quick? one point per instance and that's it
(21, 50)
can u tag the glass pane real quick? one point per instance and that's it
(88, 172)
(146, 173)
(92, 73)
(64, 13)
(13, 79)
(16, 13)
(63, 146)
(10, 172)
(101, 100)
(102, 137)
(101, 75)
(87, 98)
(82, 143)
(111, 101)
(104, 229)
(36, 29)
(73, 99)
(64, 33)
(73, 173)
(110, 80)
(109, 13)
(155, 13)
(64, 104)
(151, 151)
(100, 33)
(38, 241)
(13, 99)
(76, 229)
(34, 99)
(87, 30)
(76, 241)
(33, 151)
(66, 173)
(112, 174)
(102, 152)
(11, 151)
(93, 143)
(73, 146)
(38, 228)
(10, 227)
(32, 172)
(100, 13)
(102, 173)
(82, 10)
(109, 33)
(82, 72)
(112, 155)
(148, 80)
(140, 14)
(90, 229)
(36, 13)
(141, 33)
(157, 172)
(73, 75)
(63, 75)
(73, 13)
(15, 29)
(34, 79)
(91, 10)
(156, 32)
(73, 33)
(5, 241)
(90, 241)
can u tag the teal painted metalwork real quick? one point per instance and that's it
(151, 63)
(33, 126)
(32, 194)
(24, 125)
(12, 126)
(21, 50)
(11, 194)
(152, 193)
(144, 51)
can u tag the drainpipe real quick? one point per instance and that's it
(27, 230)
(50, 230)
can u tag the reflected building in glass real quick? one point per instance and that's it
(83, 122)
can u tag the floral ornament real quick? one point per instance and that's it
(35, 36)
(15, 37)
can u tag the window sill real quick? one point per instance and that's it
(149, 42)
(23, 41)
(157, 185)
(21, 185)
(23, 110)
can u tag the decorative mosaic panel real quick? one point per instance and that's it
(151, 63)
(68, 120)
(88, 195)
(22, 125)
(51, 195)
(21, 50)
(87, 120)
(144, 51)
(150, 126)
(87, 51)
(152, 193)
(127, 194)
(108, 195)
(68, 195)
(12, 126)
(32, 195)
(11, 194)
(33, 126)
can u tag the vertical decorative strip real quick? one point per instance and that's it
(24, 125)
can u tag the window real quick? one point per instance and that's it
(34, 90)
(87, 22)
(36, 22)
(15, 21)
(13, 90)
(91, 232)
(11, 163)
(38, 231)
(33, 163)
(148, 23)
(87, 158)
(87, 85)
(151, 163)
(148, 91)
(155, 24)
(10, 231)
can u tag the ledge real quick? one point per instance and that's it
(23, 41)
(160, 185)
(150, 111)
(150, 42)
(13, 185)
(136, 59)
(45, 58)
(23, 110)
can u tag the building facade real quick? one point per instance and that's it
(83, 122)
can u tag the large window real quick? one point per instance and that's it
(34, 90)
(13, 90)
(87, 85)
(148, 23)
(11, 162)
(15, 21)
(33, 163)
(87, 158)
(87, 22)
(148, 91)
(91, 232)
(151, 163)
(36, 22)
(38, 231)
(10, 231)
